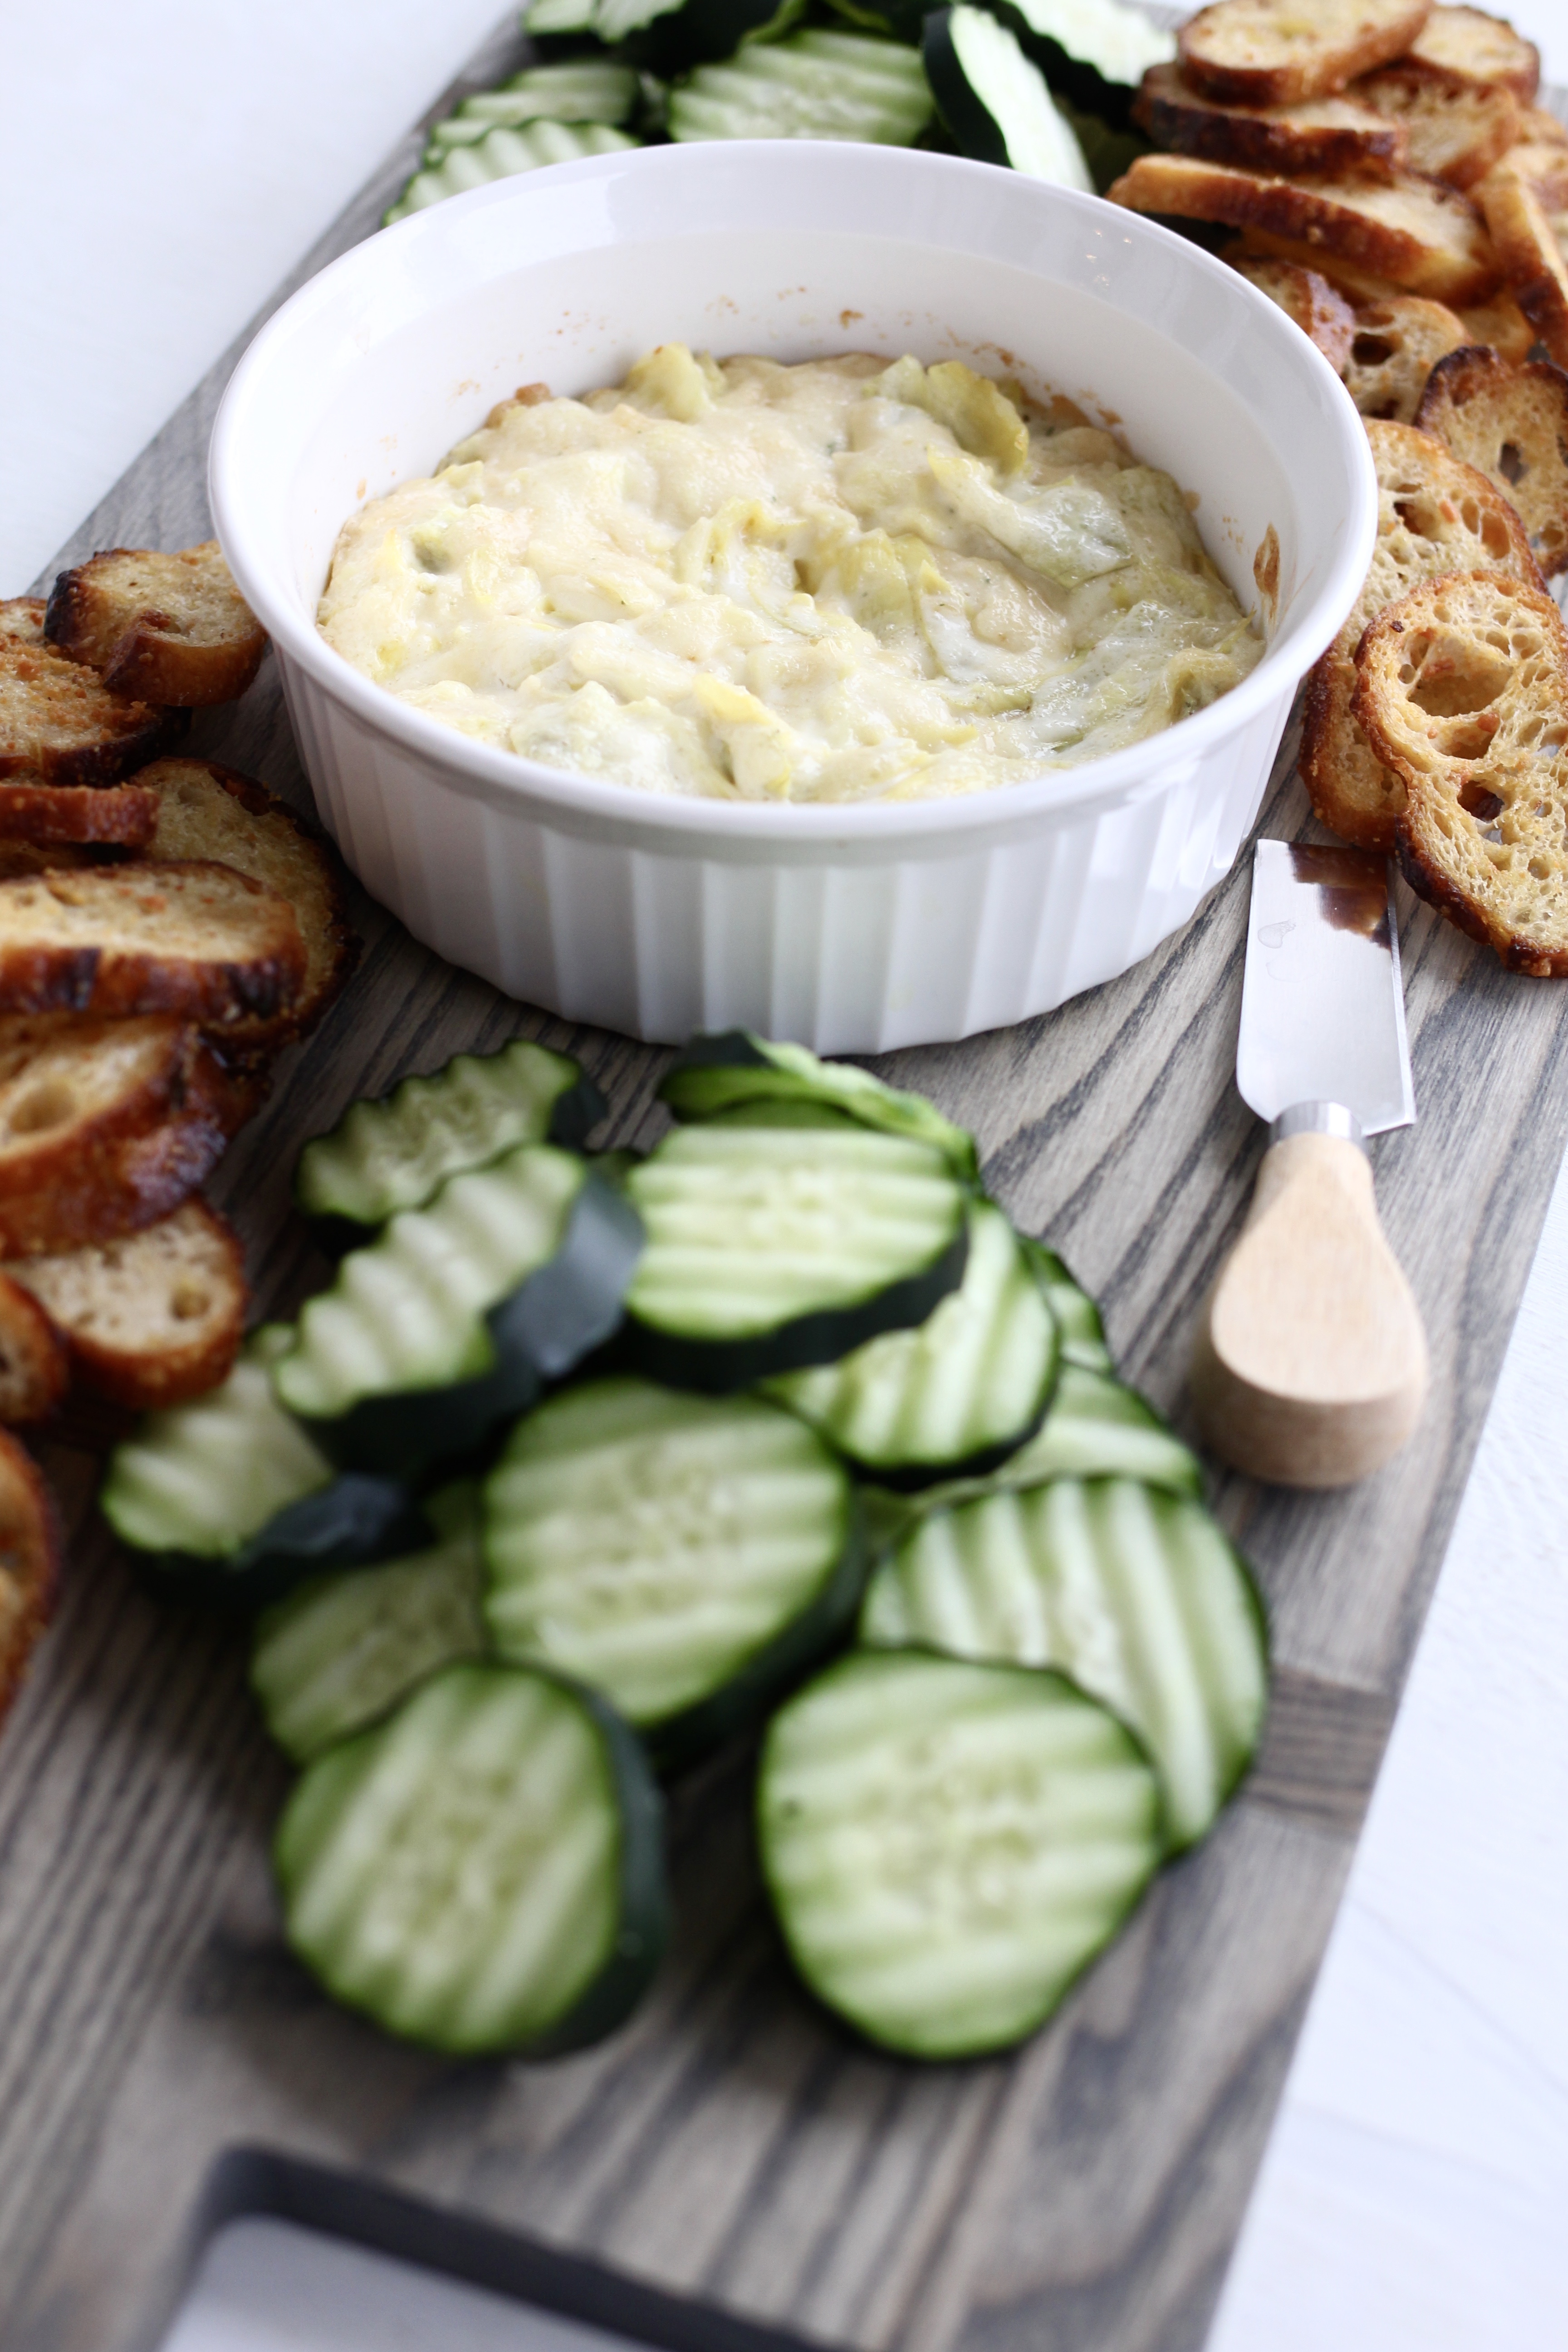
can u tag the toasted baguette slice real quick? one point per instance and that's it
(1501, 325)
(206, 811)
(192, 937)
(18, 858)
(1323, 135)
(69, 1087)
(1524, 234)
(1325, 317)
(1355, 284)
(1476, 48)
(1455, 131)
(1539, 128)
(137, 1177)
(22, 620)
(153, 1319)
(1462, 687)
(1394, 351)
(1278, 52)
(59, 717)
(29, 1563)
(34, 1367)
(168, 628)
(123, 814)
(1511, 423)
(1435, 515)
(1420, 234)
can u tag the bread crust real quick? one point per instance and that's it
(1325, 317)
(1527, 248)
(1462, 688)
(29, 1563)
(140, 1176)
(1436, 514)
(1420, 234)
(34, 1367)
(21, 621)
(1274, 53)
(60, 720)
(1327, 136)
(212, 812)
(72, 1088)
(122, 815)
(1510, 422)
(153, 1318)
(159, 936)
(168, 628)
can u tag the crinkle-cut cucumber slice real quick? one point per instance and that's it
(1093, 52)
(1096, 1428)
(612, 20)
(996, 104)
(229, 1499)
(716, 1074)
(771, 1246)
(1136, 1595)
(397, 1152)
(959, 1394)
(483, 1870)
(340, 1651)
(948, 1845)
(816, 85)
(449, 1321)
(500, 155)
(688, 1556)
(1077, 1317)
(585, 90)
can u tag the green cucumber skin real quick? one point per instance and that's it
(705, 31)
(573, 1116)
(715, 1366)
(1072, 78)
(643, 1894)
(975, 128)
(561, 1314)
(356, 1522)
(771, 1673)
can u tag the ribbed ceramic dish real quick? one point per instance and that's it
(853, 929)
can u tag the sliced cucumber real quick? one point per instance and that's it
(1096, 1428)
(958, 1394)
(451, 1320)
(995, 103)
(948, 1845)
(770, 1247)
(816, 85)
(1095, 53)
(340, 1651)
(396, 1151)
(1136, 1595)
(482, 1871)
(1077, 1317)
(612, 20)
(500, 155)
(584, 90)
(703, 30)
(686, 1556)
(231, 1501)
(716, 1074)
(899, 19)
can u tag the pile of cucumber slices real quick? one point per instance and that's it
(1042, 86)
(581, 1466)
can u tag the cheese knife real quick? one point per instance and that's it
(1311, 1364)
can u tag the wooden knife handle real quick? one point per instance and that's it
(1311, 1365)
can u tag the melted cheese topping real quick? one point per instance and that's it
(835, 582)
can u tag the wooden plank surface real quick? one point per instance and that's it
(1080, 2197)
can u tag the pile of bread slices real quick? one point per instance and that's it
(1397, 190)
(166, 928)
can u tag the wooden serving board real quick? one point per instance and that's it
(1082, 2195)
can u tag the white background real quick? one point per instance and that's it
(166, 164)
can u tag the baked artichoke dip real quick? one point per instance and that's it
(839, 581)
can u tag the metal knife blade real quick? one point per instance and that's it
(1322, 1006)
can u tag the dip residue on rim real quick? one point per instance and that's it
(838, 581)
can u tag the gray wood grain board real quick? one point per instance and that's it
(1081, 2197)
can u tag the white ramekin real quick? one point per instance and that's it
(851, 929)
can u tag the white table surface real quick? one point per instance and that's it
(167, 165)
